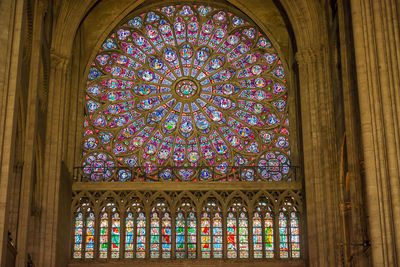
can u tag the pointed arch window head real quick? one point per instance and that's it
(186, 93)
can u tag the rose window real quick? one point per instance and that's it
(186, 93)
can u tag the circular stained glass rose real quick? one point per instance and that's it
(193, 87)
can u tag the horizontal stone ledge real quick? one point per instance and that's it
(180, 186)
(194, 262)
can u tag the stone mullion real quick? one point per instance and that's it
(375, 24)
(122, 225)
(198, 230)
(148, 233)
(250, 243)
(319, 151)
(173, 233)
(53, 151)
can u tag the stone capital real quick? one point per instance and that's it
(58, 61)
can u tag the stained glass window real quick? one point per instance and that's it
(243, 236)
(141, 236)
(160, 232)
(135, 231)
(89, 249)
(283, 236)
(237, 231)
(205, 236)
(231, 235)
(180, 235)
(217, 235)
(294, 235)
(221, 230)
(155, 235)
(192, 235)
(129, 238)
(211, 231)
(186, 92)
(103, 244)
(269, 235)
(115, 235)
(166, 236)
(186, 231)
(257, 236)
(78, 235)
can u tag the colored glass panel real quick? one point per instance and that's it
(205, 236)
(115, 235)
(269, 235)
(141, 236)
(191, 236)
(294, 235)
(129, 230)
(89, 249)
(78, 236)
(243, 236)
(257, 236)
(166, 236)
(283, 236)
(103, 243)
(231, 235)
(180, 236)
(154, 236)
(217, 236)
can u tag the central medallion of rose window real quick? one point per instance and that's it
(186, 88)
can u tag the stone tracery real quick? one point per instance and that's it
(187, 93)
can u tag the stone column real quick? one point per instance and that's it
(58, 82)
(358, 226)
(25, 200)
(319, 152)
(11, 25)
(377, 54)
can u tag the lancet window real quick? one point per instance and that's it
(176, 230)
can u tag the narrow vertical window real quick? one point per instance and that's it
(257, 236)
(166, 236)
(191, 235)
(180, 236)
(155, 236)
(89, 236)
(294, 235)
(243, 236)
(217, 236)
(205, 236)
(129, 228)
(78, 236)
(141, 236)
(231, 235)
(269, 235)
(115, 235)
(103, 244)
(283, 238)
